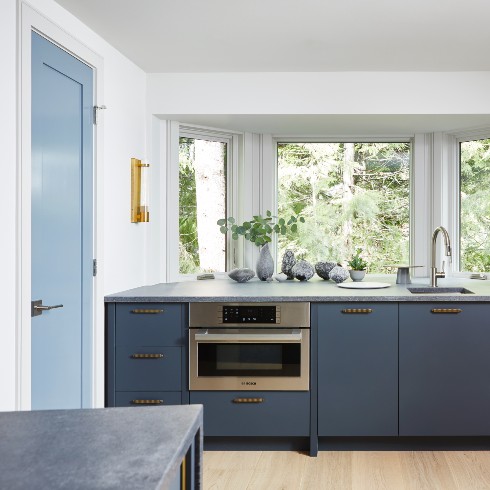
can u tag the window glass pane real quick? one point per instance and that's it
(352, 195)
(202, 201)
(475, 206)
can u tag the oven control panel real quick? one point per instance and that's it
(250, 314)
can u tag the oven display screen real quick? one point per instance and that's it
(249, 314)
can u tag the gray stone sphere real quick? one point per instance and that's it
(323, 269)
(303, 270)
(339, 274)
(241, 275)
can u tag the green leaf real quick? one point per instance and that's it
(247, 225)
(267, 239)
(268, 229)
(247, 236)
(231, 220)
(277, 228)
(221, 222)
(281, 222)
(294, 228)
(223, 229)
(234, 236)
(234, 228)
(283, 230)
(240, 230)
(269, 213)
(302, 219)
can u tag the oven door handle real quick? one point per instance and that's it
(292, 336)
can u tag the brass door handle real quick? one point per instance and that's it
(147, 356)
(357, 310)
(446, 310)
(146, 402)
(248, 400)
(146, 312)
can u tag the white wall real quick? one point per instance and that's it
(7, 202)
(124, 136)
(319, 93)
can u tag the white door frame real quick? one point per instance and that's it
(30, 19)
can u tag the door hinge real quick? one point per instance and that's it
(97, 108)
(94, 267)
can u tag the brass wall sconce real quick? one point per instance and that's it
(139, 192)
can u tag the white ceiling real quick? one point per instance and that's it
(293, 35)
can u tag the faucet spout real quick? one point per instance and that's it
(434, 274)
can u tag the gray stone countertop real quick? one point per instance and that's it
(314, 290)
(110, 448)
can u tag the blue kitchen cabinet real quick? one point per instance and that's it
(357, 369)
(444, 369)
(145, 354)
(250, 413)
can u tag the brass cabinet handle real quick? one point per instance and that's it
(147, 312)
(146, 402)
(357, 310)
(248, 400)
(147, 356)
(446, 310)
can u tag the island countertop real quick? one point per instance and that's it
(111, 448)
(314, 290)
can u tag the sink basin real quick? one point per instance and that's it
(440, 290)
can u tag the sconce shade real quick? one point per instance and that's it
(139, 188)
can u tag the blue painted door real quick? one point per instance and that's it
(62, 227)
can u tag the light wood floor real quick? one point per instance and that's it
(345, 470)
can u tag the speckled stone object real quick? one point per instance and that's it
(241, 275)
(303, 270)
(339, 274)
(323, 269)
(265, 264)
(288, 261)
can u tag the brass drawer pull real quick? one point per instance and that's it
(248, 400)
(446, 310)
(147, 356)
(146, 402)
(357, 310)
(146, 312)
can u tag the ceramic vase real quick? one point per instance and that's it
(265, 264)
(357, 276)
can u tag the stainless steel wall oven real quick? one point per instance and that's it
(249, 346)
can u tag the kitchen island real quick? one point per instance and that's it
(385, 364)
(111, 448)
(314, 290)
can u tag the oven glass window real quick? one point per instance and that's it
(249, 359)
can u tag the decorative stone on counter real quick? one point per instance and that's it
(323, 269)
(288, 261)
(339, 274)
(241, 275)
(303, 270)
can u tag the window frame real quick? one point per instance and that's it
(356, 139)
(231, 140)
(455, 202)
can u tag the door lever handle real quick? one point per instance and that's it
(37, 307)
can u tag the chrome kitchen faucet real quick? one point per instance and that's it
(434, 275)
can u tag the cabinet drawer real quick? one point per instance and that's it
(234, 413)
(149, 324)
(140, 398)
(137, 372)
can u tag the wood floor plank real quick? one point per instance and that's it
(426, 470)
(330, 470)
(225, 470)
(376, 470)
(278, 470)
(470, 469)
(347, 470)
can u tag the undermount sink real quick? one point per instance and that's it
(439, 290)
